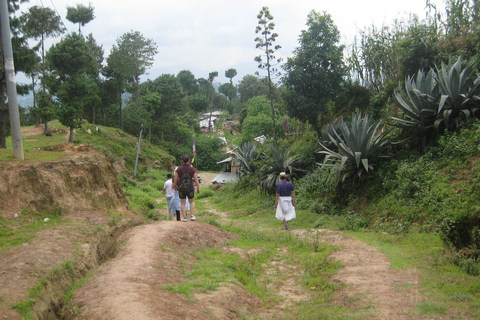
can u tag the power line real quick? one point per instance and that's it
(51, 1)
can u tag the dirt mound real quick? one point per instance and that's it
(83, 181)
(132, 285)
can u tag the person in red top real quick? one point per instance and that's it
(188, 169)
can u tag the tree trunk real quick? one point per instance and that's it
(70, 138)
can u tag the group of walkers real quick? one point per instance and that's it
(180, 189)
(180, 193)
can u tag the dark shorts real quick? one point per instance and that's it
(190, 195)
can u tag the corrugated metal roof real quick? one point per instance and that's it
(224, 177)
(225, 161)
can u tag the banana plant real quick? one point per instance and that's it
(355, 147)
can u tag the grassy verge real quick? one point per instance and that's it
(446, 290)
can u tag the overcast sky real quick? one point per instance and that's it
(214, 35)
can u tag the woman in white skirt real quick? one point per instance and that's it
(284, 200)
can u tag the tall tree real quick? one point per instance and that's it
(251, 86)
(188, 82)
(80, 14)
(265, 42)
(136, 54)
(228, 90)
(97, 51)
(230, 74)
(74, 68)
(315, 72)
(169, 89)
(42, 23)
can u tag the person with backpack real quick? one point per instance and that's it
(284, 201)
(185, 176)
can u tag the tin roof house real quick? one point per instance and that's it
(231, 165)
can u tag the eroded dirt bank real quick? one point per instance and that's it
(83, 180)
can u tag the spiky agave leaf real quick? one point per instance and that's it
(355, 147)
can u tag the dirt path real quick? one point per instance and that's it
(132, 285)
(370, 283)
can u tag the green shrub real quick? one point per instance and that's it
(354, 221)
(205, 193)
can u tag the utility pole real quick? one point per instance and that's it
(138, 151)
(17, 144)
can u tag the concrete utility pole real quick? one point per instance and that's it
(17, 144)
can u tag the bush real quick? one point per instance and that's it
(354, 221)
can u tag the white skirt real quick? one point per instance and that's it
(285, 209)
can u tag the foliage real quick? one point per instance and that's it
(356, 148)
(73, 67)
(251, 86)
(419, 103)
(458, 87)
(80, 14)
(314, 73)
(209, 152)
(279, 160)
(245, 153)
(132, 56)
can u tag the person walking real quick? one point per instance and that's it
(283, 201)
(185, 180)
(168, 190)
(175, 206)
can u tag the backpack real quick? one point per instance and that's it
(185, 182)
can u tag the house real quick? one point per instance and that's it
(232, 165)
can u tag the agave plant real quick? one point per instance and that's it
(280, 161)
(419, 104)
(458, 87)
(355, 148)
(245, 153)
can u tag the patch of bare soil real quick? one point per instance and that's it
(132, 285)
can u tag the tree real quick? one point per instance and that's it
(80, 14)
(188, 82)
(198, 103)
(170, 90)
(315, 73)
(230, 74)
(42, 23)
(228, 90)
(136, 55)
(251, 86)
(265, 42)
(74, 69)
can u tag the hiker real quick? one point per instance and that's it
(175, 206)
(283, 201)
(185, 177)
(168, 190)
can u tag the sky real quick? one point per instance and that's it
(215, 35)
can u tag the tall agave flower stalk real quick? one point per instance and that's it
(355, 148)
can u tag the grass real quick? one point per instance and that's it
(14, 232)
